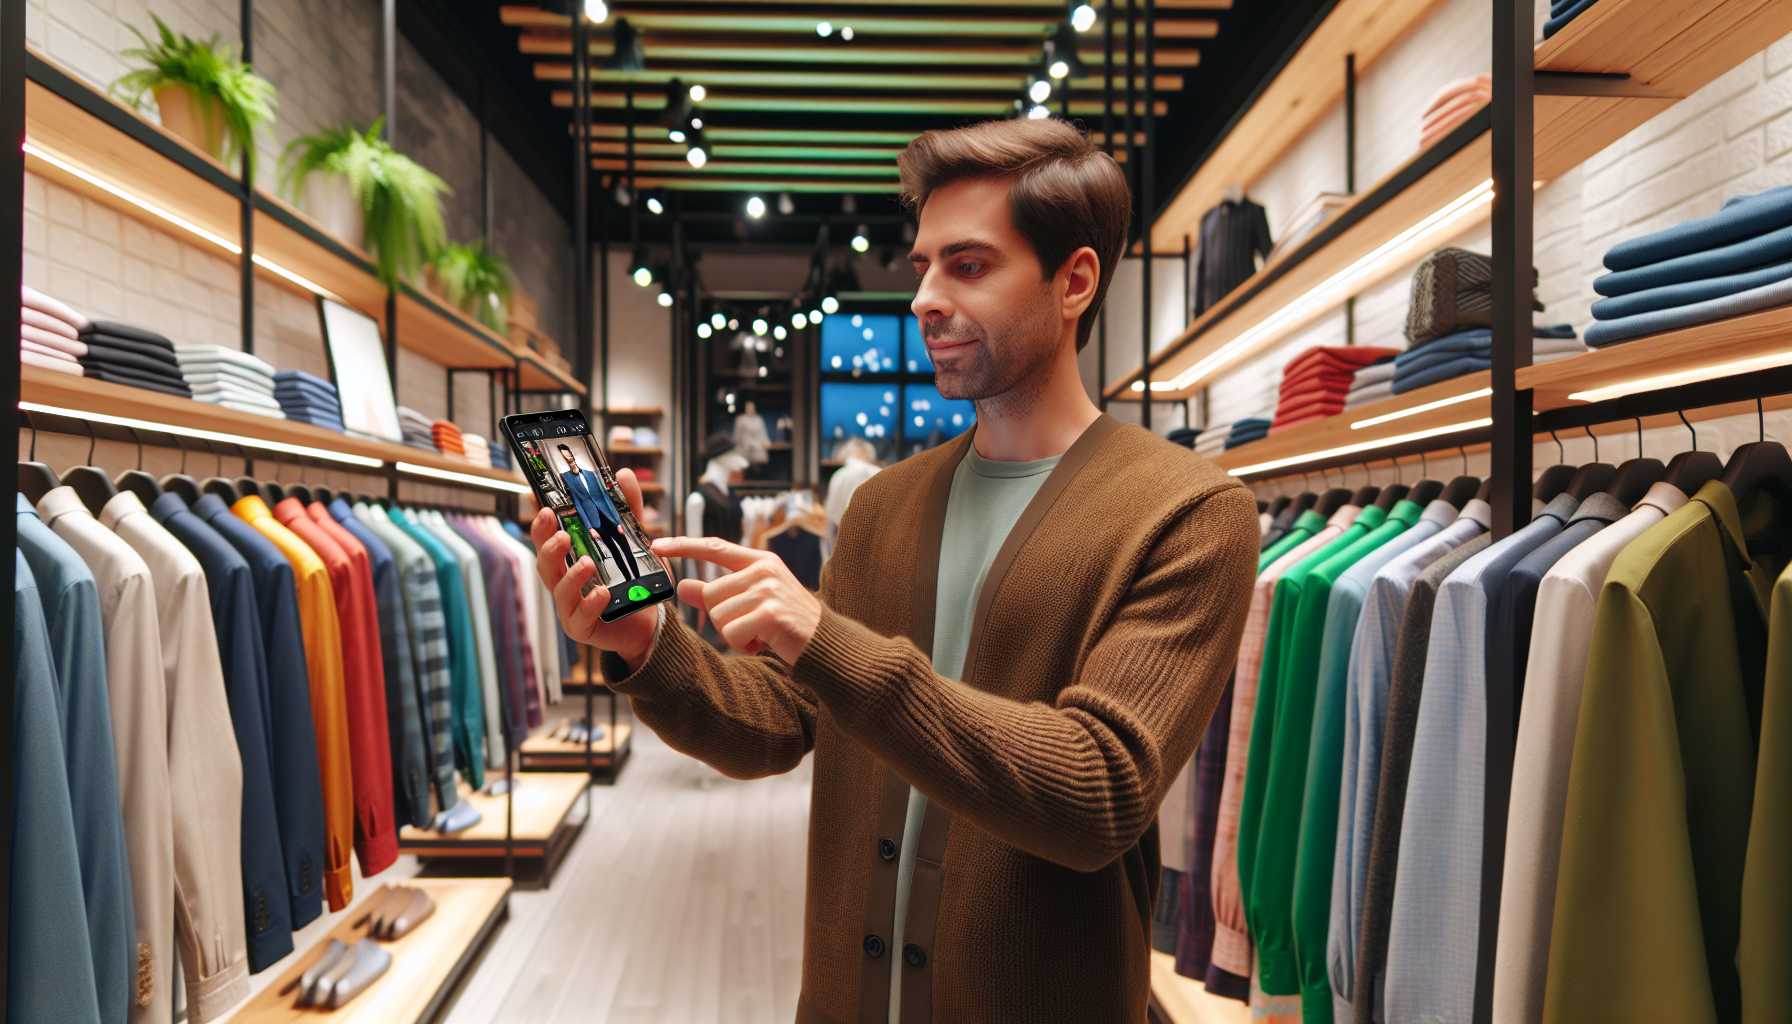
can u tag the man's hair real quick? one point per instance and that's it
(566, 449)
(1063, 192)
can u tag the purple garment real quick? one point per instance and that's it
(500, 578)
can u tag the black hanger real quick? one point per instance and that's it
(1426, 490)
(272, 492)
(89, 481)
(35, 478)
(1262, 506)
(1276, 506)
(180, 483)
(1390, 494)
(1366, 494)
(1691, 470)
(1556, 478)
(1464, 488)
(1759, 466)
(1485, 491)
(324, 495)
(1637, 475)
(299, 491)
(136, 480)
(218, 485)
(1593, 477)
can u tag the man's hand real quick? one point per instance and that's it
(632, 636)
(758, 606)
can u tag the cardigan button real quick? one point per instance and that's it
(887, 849)
(914, 955)
(874, 947)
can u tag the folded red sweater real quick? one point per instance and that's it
(1336, 357)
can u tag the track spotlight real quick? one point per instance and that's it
(824, 29)
(861, 241)
(760, 326)
(846, 33)
(780, 333)
(675, 135)
(815, 317)
(830, 305)
(1061, 56)
(1037, 112)
(698, 153)
(755, 207)
(1082, 16)
(718, 320)
(678, 104)
(597, 11)
(622, 195)
(655, 205)
(734, 323)
(639, 268)
(698, 93)
(1039, 90)
(786, 205)
(799, 319)
(704, 331)
(665, 298)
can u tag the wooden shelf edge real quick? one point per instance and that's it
(1760, 335)
(545, 802)
(537, 373)
(1335, 431)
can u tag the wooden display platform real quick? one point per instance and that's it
(542, 825)
(427, 965)
(1179, 1000)
(82, 395)
(547, 754)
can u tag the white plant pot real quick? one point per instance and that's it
(330, 201)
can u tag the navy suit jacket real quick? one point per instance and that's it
(589, 495)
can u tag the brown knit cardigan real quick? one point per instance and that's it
(1102, 638)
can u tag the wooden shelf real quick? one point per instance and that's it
(427, 965)
(1450, 170)
(82, 395)
(541, 822)
(634, 411)
(1668, 50)
(1761, 335)
(429, 326)
(537, 374)
(1308, 86)
(547, 754)
(629, 449)
(1335, 431)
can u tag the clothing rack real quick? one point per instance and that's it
(1555, 105)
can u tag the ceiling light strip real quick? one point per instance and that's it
(169, 217)
(1442, 403)
(1679, 377)
(1335, 289)
(239, 440)
(508, 486)
(1361, 446)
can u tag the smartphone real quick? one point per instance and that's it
(568, 473)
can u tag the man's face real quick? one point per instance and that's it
(990, 317)
(571, 464)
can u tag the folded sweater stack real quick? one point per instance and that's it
(124, 354)
(477, 449)
(1454, 104)
(1184, 436)
(448, 438)
(500, 456)
(1372, 383)
(309, 399)
(1736, 261)
(1251, 428)
(1212, 441)
(49, 333)
(415, 426)
(1316, 382)
(1561, 12)
(227, 377)
(1468, 351)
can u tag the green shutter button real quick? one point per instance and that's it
(638, 593)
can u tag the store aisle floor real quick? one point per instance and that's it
(681, 901)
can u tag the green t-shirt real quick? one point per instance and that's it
(987, 499)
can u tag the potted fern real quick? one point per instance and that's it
(399, 200)
(476, 279)
(204, 93)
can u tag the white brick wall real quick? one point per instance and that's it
(1733, 137)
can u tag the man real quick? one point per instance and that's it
(598, 512)
(1016, 645)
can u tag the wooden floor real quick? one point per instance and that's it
(681, 900)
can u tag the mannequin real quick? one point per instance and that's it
(750, 436)
(713, 509)
(859, 464)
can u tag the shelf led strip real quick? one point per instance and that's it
(1361, 446)
(235, 440)
(1713, 371)
(169, 217)
(469, 479)
(1442, 403)
(1442, 223)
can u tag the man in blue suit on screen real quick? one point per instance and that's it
(598, 512)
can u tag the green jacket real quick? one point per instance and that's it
(1306, 525)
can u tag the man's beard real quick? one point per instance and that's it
(1009, 359)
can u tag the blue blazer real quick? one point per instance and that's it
(592, 500)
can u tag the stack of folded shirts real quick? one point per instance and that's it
(1471, 350)
(1454, 104)
(447, 437)
(49, 333)
(1184, 436)
(123, 354)
(1316, 382)
(416, 428)
(622, 436)
(1736, 261)
(227, 377)
(309, 399)
(1372, 383)
(1213, 440)
(500, 457)
(647, 437)
(1251, 428)
(1561, 12)
(1307, 220)
(478, 450)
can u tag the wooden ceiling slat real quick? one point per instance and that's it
(697, 183)
(762, 102)
(746, 133)
(799, 150)
(719, 164)
(807, 49)
(882, 79)
(1043, 6)
(863, 25)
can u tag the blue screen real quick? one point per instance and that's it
(914, 349)
(928, 419)
(862, 342)
(859, 410)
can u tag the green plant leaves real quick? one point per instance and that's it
(476, 279)
(210, 69)
(400, 197)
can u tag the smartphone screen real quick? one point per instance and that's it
(569, 475)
